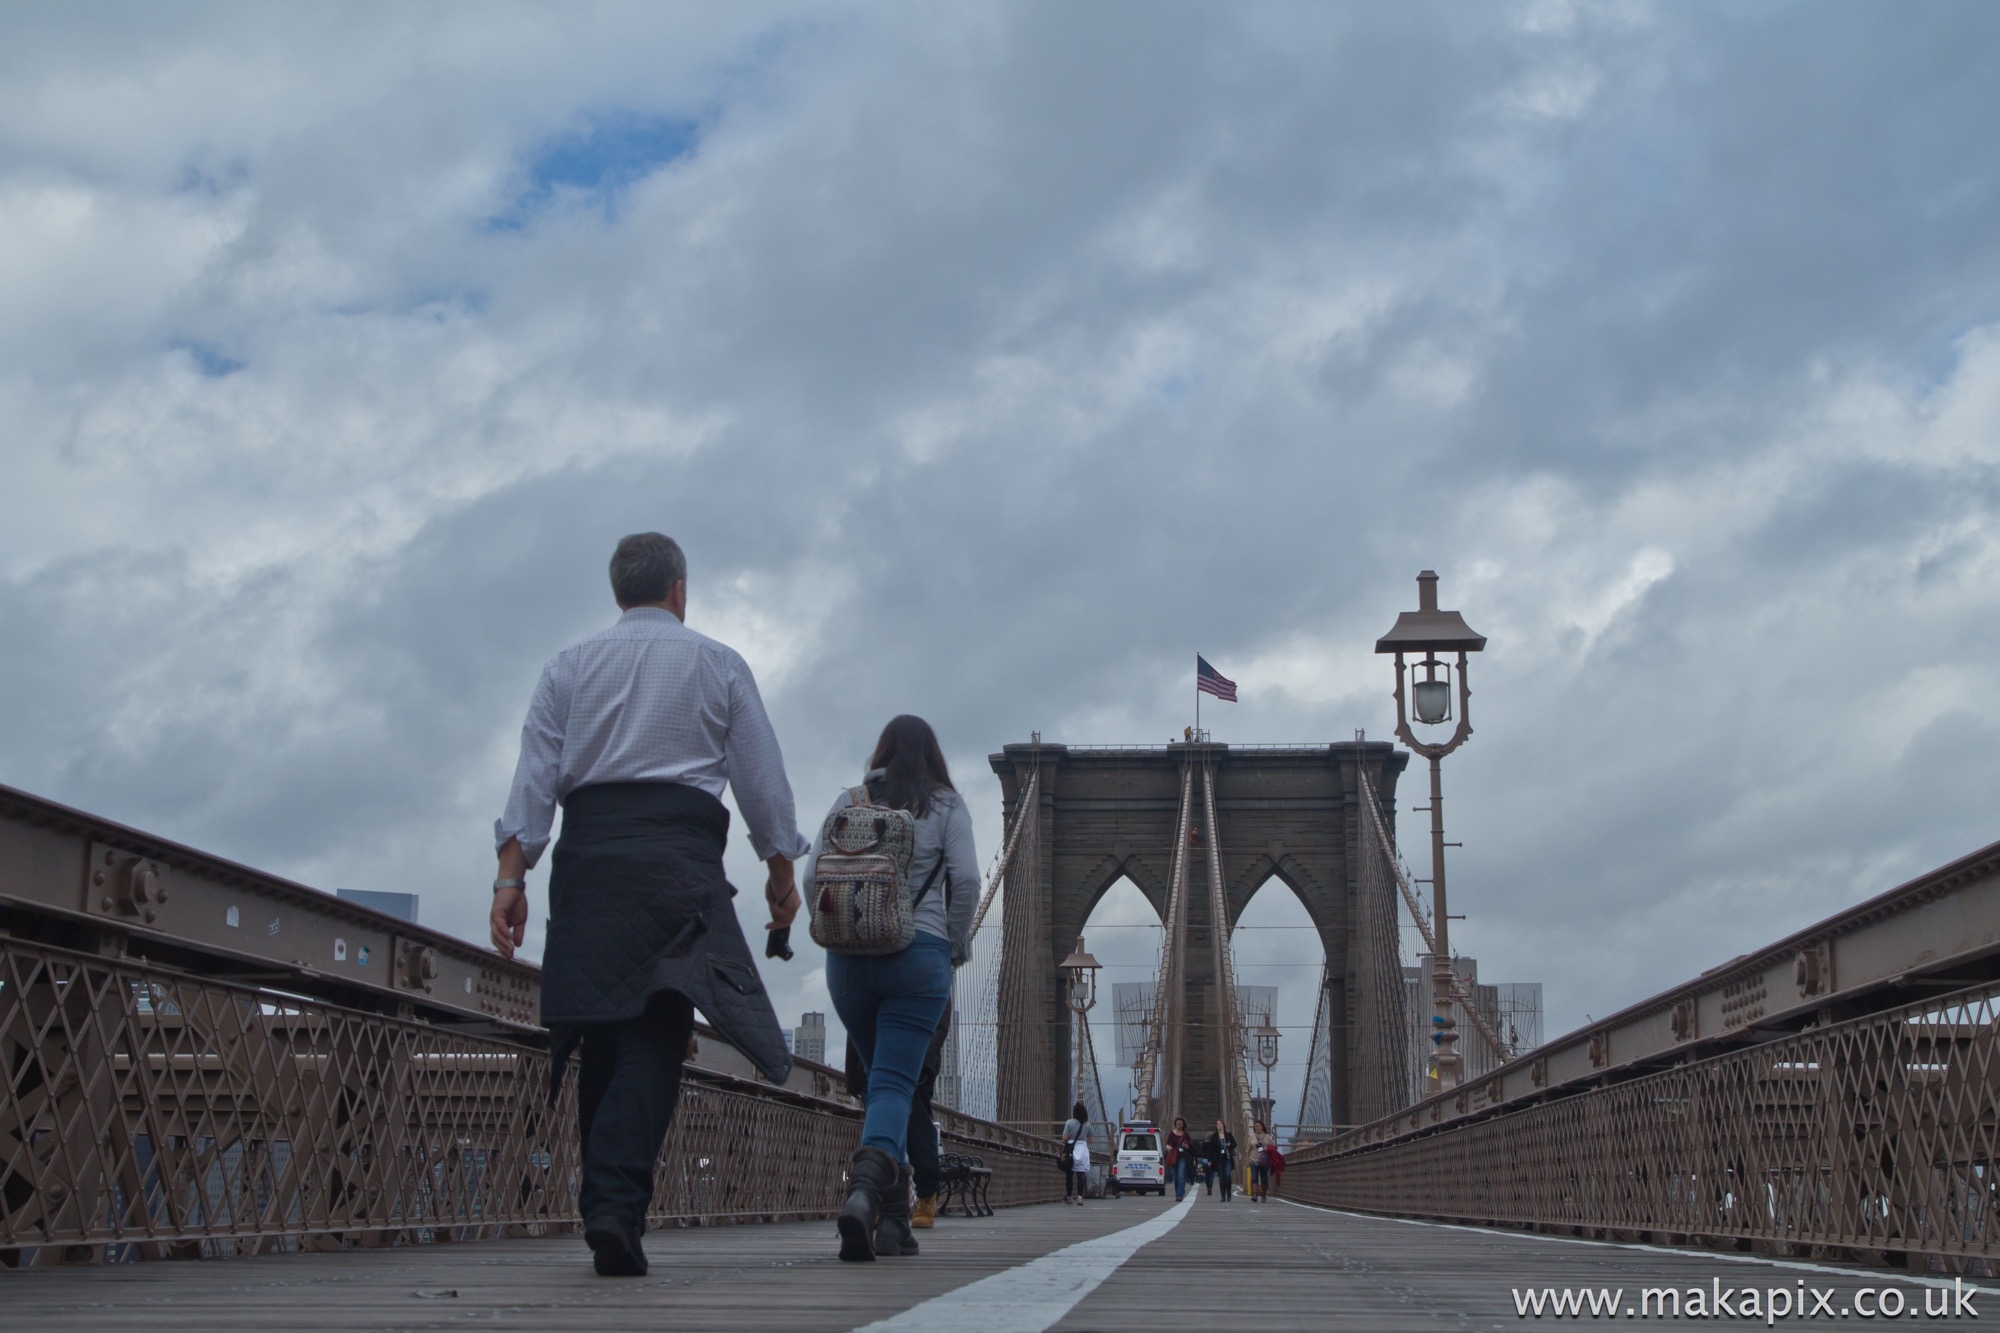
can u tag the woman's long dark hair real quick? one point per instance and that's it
(913, 766)
(1080, 1113)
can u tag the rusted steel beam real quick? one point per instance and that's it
(176, 903)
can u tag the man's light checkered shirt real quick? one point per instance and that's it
(650, 700)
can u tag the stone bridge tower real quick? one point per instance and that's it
(1285, 812)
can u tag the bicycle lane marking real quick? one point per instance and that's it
(1030, 1297)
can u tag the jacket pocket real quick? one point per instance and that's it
(743, 980)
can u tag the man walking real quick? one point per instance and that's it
(635, 731)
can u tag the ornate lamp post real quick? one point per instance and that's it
(1429, 631)
(1267, 1056)
(1080, 969)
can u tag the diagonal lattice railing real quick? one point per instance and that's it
(151, 1107)
(1875, 1139)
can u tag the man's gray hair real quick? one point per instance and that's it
(645, 568)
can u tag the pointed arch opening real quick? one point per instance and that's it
(1280, 970)
(1124, 933)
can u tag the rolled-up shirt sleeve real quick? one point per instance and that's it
(757, 772)
(531, 802)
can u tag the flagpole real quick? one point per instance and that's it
(1197, 696)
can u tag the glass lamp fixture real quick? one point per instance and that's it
(1082, 971)
(1431, 701)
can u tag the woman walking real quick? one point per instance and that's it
(1218, 1154)
(891, 1002)
(1076, 1144)
(1261, 1144)
(1179, 1156)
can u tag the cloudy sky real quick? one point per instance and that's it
(991, 360)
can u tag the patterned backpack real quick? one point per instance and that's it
(861, 882)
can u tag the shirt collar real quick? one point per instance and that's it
(654, 613)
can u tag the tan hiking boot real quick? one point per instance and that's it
(925, 1213)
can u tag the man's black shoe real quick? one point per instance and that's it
(614, 1247)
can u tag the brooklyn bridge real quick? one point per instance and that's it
(204, 1061)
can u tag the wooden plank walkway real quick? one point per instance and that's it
(1265, 1267)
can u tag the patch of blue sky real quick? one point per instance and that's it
(1176, 387)
(596, 163)
(210, 362)
(213, 179)
(440, 305)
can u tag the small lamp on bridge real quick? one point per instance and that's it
(1430, 631)
(1427, 631)
(1267, 1056)
(1081, 969)
(1267, 1046)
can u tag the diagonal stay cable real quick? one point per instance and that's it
(1498, 1047)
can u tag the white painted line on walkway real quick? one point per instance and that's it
(1899, 1274)
(1032, 1296)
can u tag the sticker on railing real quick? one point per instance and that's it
(339, 950)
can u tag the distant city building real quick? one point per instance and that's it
(1256, 1006)
(1513, 1009)
(788, 1043)
(809, 1040)
(1520, 1013)
(400, 905)
(1132, 1002)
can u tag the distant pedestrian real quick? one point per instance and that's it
(1218, 1154)
(1277, 1170)
(1261, 1147)
(1179, 1157)
(1076, 1147)
(635, 731)
(892, 1003)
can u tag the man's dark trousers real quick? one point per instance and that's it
(922, 1139)
(627, 1086)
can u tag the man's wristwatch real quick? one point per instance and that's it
(500, 884)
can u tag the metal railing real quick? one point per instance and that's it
(197, 1059)
(1876, 1139)
(1835, 1093)
(162, 1114)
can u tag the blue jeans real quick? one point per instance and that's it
(890, 1006)
(1178, 1173)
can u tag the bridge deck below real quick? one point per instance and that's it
(1267, 1267)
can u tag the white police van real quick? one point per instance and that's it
(1139, 1163)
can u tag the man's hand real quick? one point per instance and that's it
(510, 920)
(781, 892)
(510, 906)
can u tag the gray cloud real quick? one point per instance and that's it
(990, 362)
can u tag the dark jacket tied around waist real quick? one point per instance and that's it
(638, 903)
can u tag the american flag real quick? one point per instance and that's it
(1210, 681)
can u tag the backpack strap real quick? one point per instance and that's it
(929, 880)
